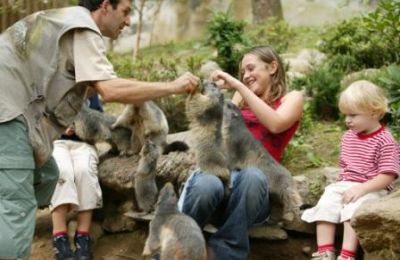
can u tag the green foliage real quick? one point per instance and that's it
(298, 144)
(273, 32)
(322, 85)
(226, 35)
(315, 144)
(174, 109)
(386, 23)
(343, 62)
(123, 64)
(371, 41)
(194, 63)
(304, 37)
(390, 80)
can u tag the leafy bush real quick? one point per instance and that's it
(273, 32)
(322, 86)
(298, 146)
(390, 80)
(226, 35)
(351, 38)
(343, 62)
(372, 41)
(385, 22)
(123, 64)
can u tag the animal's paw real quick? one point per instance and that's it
(224, 177)
(227, 191)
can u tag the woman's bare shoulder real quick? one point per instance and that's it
(294, 95)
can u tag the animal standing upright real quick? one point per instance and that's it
(204, 109)
(146, 190)
(147, 121)
(173, 234)
(243, 151)
(95, 127)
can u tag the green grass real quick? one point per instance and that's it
(319, 146)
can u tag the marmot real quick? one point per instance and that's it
(174, 234)
(244, 150)
(145, 178)
(147, 121)
(93, 127)
(204, 110)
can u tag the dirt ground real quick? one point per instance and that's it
(125, 246)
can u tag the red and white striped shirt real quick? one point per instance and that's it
(364, 156)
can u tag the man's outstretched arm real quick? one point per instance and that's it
(136, 92)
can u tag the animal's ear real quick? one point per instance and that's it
(233, 108)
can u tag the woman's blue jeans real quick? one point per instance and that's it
(203, 199)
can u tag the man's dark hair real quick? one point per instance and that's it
(93, 5)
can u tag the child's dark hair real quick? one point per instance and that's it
(93, 5)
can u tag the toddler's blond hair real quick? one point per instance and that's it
(363, 96)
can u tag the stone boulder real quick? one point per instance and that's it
(311, 184)
(377, 225)
(303, 62)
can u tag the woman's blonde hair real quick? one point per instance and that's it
(363, 96)
(266, 54)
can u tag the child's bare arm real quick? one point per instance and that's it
(380, 182)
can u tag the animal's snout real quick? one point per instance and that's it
(209, 87)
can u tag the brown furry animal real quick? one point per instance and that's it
(146, 190)
(204, 109)
(244, 150)
(93, 127)
(173, 234)
(147, 121)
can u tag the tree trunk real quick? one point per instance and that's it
(139, 29)
(155, 17)
(263, 9)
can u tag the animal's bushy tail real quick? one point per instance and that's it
(176, 146)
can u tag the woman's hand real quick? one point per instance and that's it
(225, 80)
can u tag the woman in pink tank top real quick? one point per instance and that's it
(271, 114)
